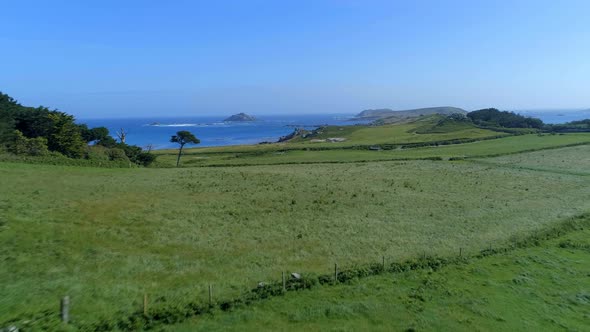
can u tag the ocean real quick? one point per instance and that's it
(212, 131)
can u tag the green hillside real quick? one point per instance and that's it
(398, 133)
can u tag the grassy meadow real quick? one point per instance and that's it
(270, 154)
(569, 160)
(107, 236)
(545, 288)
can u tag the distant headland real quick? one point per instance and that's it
(390, 116)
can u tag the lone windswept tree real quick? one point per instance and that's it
(183, 137)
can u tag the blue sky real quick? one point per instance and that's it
(143, 58)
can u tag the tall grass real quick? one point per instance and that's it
(542, 288)
(106, 237)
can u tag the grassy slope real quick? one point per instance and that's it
(360, 135)
(107, 236)
(412, 132)
(481, 148)
(545, 288)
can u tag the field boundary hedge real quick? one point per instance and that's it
(65, 161)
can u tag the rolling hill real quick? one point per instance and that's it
(395, 116)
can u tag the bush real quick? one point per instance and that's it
(98, 152)
(22, 145)
(116, 154)
(145, 158)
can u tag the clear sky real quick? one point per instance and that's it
(143, 58)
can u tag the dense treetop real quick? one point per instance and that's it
(494, 117)
(40, 131)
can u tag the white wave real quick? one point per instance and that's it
(171, 125)
(177, 125)
(216, 124)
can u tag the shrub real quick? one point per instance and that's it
(22, 145)
(145, 158)
(116, 154)
(98, 152)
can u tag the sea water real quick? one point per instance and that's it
(213, 131)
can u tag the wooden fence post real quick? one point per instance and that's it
(460, 252)
(284, 281)
(383, 258)
(210, 296)
(145, 304)
(65, 309)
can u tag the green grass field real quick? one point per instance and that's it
(545, 288)
(107, 236)
(546, 161)
(507, 145)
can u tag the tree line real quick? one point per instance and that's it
(573, 126)
(39, 131)
(492, 117)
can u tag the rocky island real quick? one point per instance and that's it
(240, 117)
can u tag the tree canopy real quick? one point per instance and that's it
(497, 118)
(39, 130)
(183, 137)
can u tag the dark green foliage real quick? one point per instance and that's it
(135, 154)
(459, 117)
(495, 118)
(37, 131)
(446, 124)
(64, 136)
(574, 126)
(21, 145)
(97, 152)
(131, 151)
(116, 154)
(108, 142)
(145, 158)
(58, 128)
(585, 123)
(93, 134)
